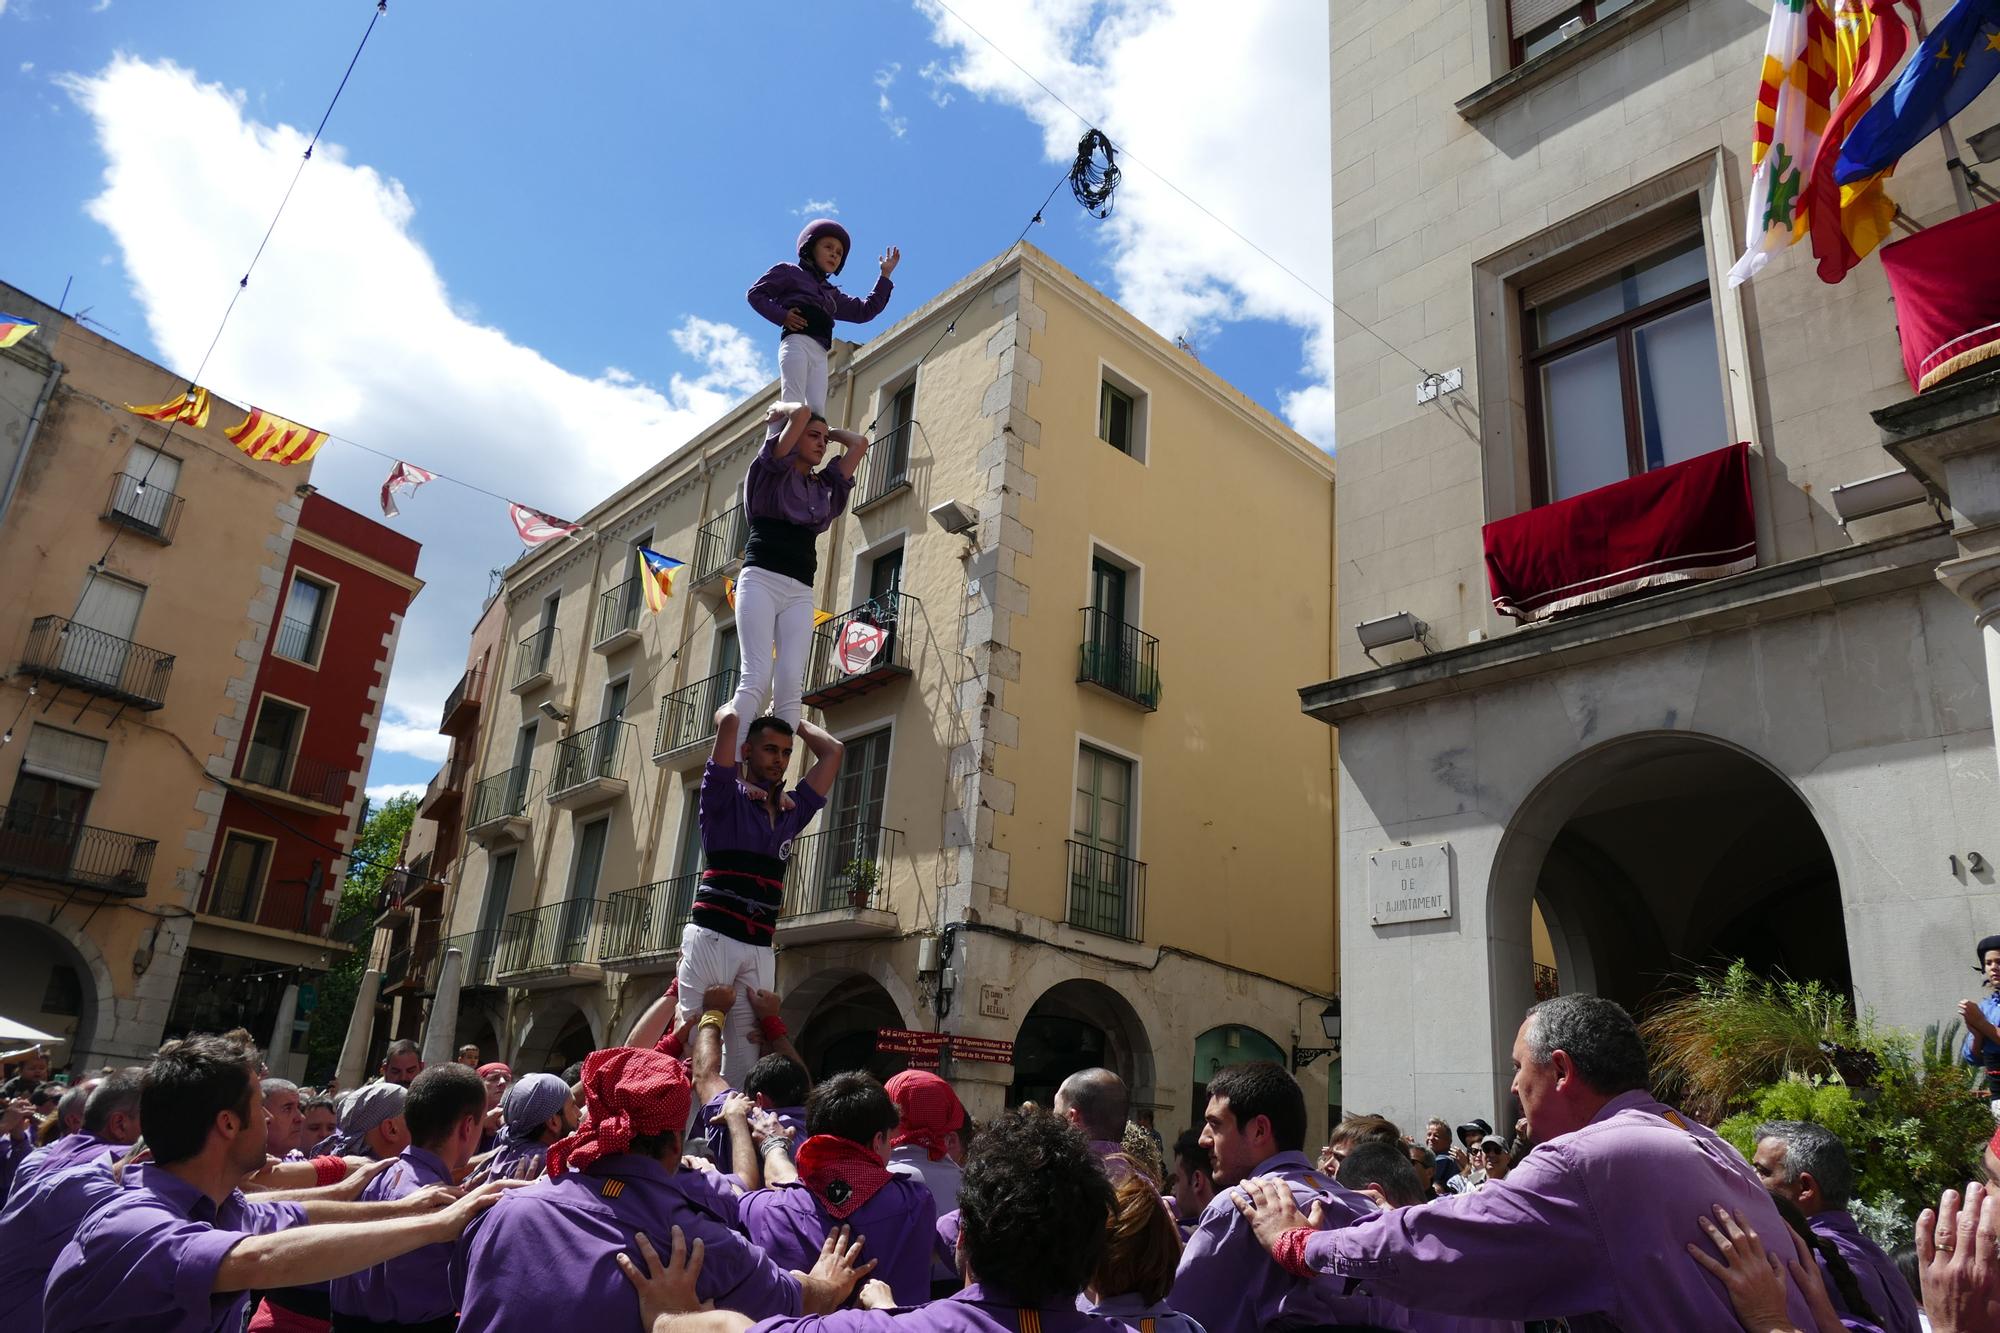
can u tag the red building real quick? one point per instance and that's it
(273, 879)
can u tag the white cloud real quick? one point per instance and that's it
(27, 66)
(348, 325)
(818, 208)
(1229, 102)
(939, 79)
(389, 791)
(884, 79)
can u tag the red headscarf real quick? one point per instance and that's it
(929, 1107)
(627, 1093)
(494, 1067)
(841, 1173)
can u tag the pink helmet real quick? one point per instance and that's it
(821, 227)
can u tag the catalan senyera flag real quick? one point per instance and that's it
(1810, 58)
(191, 407)
(269, 438)
(13, 328)
(656, 577)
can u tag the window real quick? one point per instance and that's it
(1103, 816)
(492, 916)
(64, 756)
(728, 656)
(517, 780)
(100, 638)
(1115, 412)
(852, 826)
(586, 863)
(1543, 25)
(885, 581)
(635, 595)
(64, 992)
(545, 633)
(900, 418)
(1105, 883)
(1623, 374)
(239, 876)
(302, 630)
(267, 760)
(145, 492)
(689, 861)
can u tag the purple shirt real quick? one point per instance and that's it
(789, 285)
(970, 1311)
(1882, 1286)
(1131, 1309)
(41, 1217)
(775, 488)
(146, 1259)
(899, 1222)
(13, 1148)
(732, 822)
(715, 1132)
(411, 1288)
(510, 1159)
(1592, 1226)
(542, 1258)
(65, 1151)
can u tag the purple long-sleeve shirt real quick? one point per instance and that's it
(542, 1258)
(899, 1222)
(65, 1151)
(774, 488)
(146, 1259)
(1592, 1226)
(411, 1288)
(714, 1130)
(788, 286)
(41, 1216)
(1882, 1286)
(970, 1311)
(14, 1148)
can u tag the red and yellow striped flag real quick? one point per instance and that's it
(272, 439)
(191, 407)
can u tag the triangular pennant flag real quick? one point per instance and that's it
(536, 527)
(269, 438)
(821, 617)
(656, 577)
(404, 478)
(191, 407)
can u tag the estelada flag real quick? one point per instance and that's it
(270, 438)
(536, 527)
(1947, 300)
(13, 328)
(191, 407)
(656, 577)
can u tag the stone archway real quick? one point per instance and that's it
(839, 1015)
(29, 950)
(559, 1032)
(1074, 1025)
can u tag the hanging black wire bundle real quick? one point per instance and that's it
(1091, 183)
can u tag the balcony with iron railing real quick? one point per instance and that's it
(888, 468)
(296, 779)
(296, 640)
(862, 650)
(147, 508)
(719, 543)
(78, 856)
(1119, 658)
(446, 789)
(461, 706)
(687, 716)
(499, 811)
(396, 968)
(642, 926)
(392, 900)
(423, 949)
(97, 663)
(618, 617)
(480, 950)
(1107, 892)
(535, 661)
(590, 765)
(837, 884)
(284, 904)
(551, 945)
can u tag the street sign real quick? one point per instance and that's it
(924, 1048)
(983, 1050)
(902, 1041)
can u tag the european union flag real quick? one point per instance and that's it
(1952, 66)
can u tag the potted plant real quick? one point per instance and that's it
(862, 876)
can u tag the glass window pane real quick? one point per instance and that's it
(1668, 273)
(1574, 314)
(1583, 420)
(1680, 386)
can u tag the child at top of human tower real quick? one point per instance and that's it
(801, 299)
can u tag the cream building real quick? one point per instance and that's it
(1794, 764)
(1079, 811)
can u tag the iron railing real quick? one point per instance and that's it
(1120, 658)
(618, 609)
(481, 950)
(827, 672)
(295, 774)
(295, 639)
(442, 793)
(283, 905)
(719, 543)
(467, 692)
(43, 847)
(147, 508)
(888, 466)
(591, 753)
(396, 968)
(534, 654)
(102, 664)
(502, 796)
(647, 922)
(553, 935)
(844, 868)
(1107, 892)
(687, 716)
(353, 929)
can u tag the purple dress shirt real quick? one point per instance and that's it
(542, 1258)
(1882, 1286)
(942, 1178)
(510, 1159)
(40, 1218)
(970, 1311)
(716, 1133)
(899, 1222)
(1592, 1226)
(1131, 1310)
(13, 1149)
(146, 1259)
(732, 822)
(411, 1288)
(775, 488)
(65, 1151)
(789, 285)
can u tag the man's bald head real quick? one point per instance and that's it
(1095, 1100)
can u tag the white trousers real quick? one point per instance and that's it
(802, 372)
(709, 959)
(771, 609)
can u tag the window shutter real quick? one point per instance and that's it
(1575, 277)
(63, 756)
(1528, 15)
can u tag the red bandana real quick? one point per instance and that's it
(929, 1107)
(841, 1173)
(627, 1093)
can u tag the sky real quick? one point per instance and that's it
(519, 253)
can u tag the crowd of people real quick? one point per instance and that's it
(642, 1191)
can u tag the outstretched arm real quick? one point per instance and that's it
(826, 752)
(795, 416)
(301, 1255)
(705, 1049)
(727, 724)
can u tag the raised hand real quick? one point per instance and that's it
(890, 258)
(1957, 1263)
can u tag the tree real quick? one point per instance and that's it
(382, 833)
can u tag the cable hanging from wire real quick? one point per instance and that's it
(1091, 183)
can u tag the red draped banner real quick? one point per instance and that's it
(1947, 291)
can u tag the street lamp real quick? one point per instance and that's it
(1329, 1021)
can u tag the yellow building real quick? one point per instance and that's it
(1079, 810)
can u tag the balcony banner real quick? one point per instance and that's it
(1682, 523)
(1947, 305)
